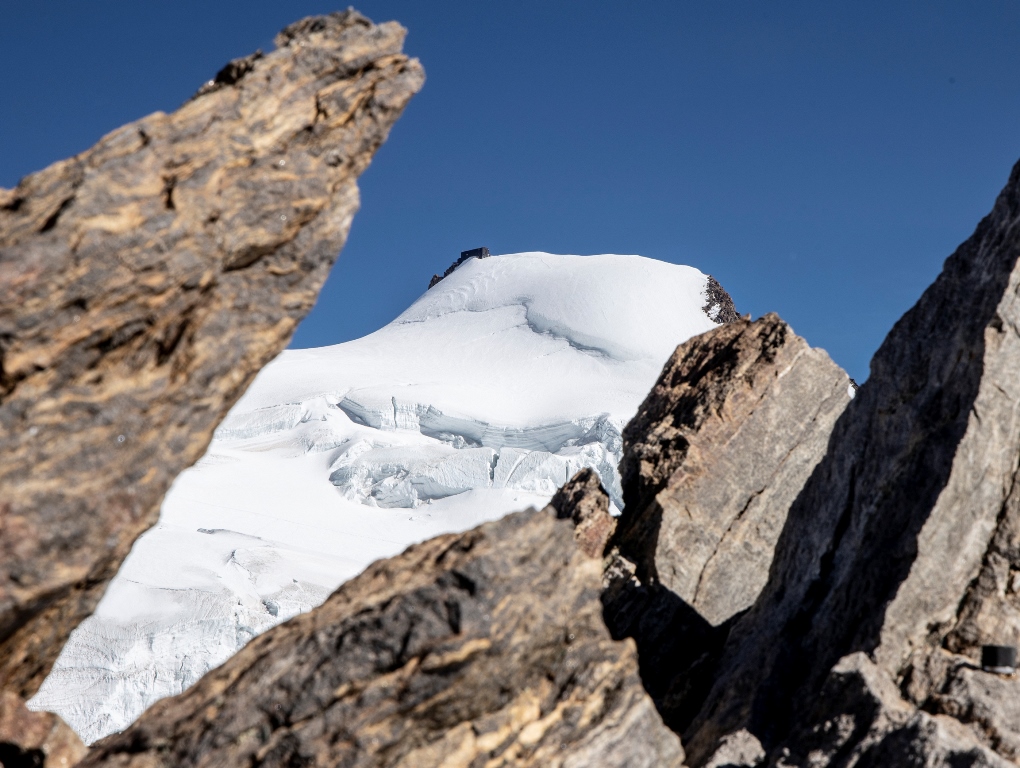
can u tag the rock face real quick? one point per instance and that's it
(715, 455)
(585, 502)
(724, 442)
(483, 648)
(898, 558)
(145, 282)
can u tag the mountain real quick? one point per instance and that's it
(484, 397)
(811, 577)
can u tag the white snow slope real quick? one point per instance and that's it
(484, 397)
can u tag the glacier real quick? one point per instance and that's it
(482, 398)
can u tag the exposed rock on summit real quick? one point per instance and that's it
(474, 253)
(483, 648)
(145, 282)
(719, 306)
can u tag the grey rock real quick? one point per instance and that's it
(726, 439)
(901, 544)
(144, 283)
(737, 750)
(989, 702)
(861, 720)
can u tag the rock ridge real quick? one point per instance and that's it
(728, 435)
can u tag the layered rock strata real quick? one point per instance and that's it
(483, 648)
(729, 434)
(145, 282)
(898, 557)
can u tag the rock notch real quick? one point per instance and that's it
(145, 282)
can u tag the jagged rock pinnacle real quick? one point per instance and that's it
(145, 282)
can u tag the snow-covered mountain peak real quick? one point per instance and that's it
(623, 307)
(495, 387)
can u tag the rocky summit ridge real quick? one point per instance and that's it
(145, 282)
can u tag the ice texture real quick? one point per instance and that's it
(486, 395)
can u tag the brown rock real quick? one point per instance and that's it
(145, 282)
(901, 548)
(484, 648)
(717, 452)
(35, 738)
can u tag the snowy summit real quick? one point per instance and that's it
(486, 395)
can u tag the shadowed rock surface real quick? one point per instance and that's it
(145, 282)
(483, 648)
(898, 558)
(738, 419)
(35, 738)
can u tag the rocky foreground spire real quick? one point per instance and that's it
(897, 559)
(144, 283)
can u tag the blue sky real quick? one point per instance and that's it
(820, 159)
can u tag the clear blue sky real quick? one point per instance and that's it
(820, 159)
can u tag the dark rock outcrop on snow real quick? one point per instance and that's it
(144, 283)
(898, 557)
(724, 442)
(482, 648)
(475, 253)
(719, 306)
